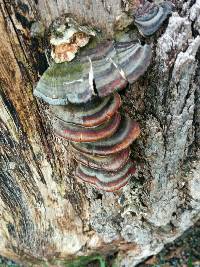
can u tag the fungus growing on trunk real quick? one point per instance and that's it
(94, 113)
(67, 38)
(64, 83)
(108, 77)
(133, 59)
(150, 16)
(126, 133)
(76, 133)
(100, 71)
(104, 180)
(111, 162)
(84, 99)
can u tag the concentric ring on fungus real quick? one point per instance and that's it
(133, 59)
(108, 78)
(94, 113)
(114, 64)
(99, 72)
(127, 132)
(76, 133)
(107, 181)
(150, 16)
(64, 83)
(111, 162)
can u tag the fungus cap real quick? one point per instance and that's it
(108, 77)
(107, 181)
(133, 59)
(96, 72)
(64, 83)
(76, 133)
(94, 113)
(126, 133)
(67, 37)
(111, 162)
(150, 16)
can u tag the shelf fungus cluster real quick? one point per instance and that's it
(84, 104)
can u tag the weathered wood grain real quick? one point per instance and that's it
(101, 13)
(34, 170)
(98, 13)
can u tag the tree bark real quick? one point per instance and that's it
(45, 213)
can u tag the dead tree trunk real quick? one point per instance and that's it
(44, 212)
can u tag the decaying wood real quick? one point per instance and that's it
(44, 212)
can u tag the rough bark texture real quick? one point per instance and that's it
(44, 212)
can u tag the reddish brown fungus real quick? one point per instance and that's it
(94, 113)
(109, 163)
(107, 181)
(77, 133)
(84, 99)
(127, 132)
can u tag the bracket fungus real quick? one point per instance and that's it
(64, 83)
(127, 132)
(150, 16)
(112, 162)
(105, 180)
(97, 72)
(84, 100)
(76, 133)
(133, 59)
(96, 112)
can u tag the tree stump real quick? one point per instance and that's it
(45, 213)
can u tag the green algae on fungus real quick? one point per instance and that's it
(100, 71)
(66, 83)
(64, 69)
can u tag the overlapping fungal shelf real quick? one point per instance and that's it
(150, 16)
(84, 102)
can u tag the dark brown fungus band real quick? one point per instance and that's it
(127, 132)
(150, 16)
(94, 113)
(107, 181)
(111, 162)
(76, 133)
